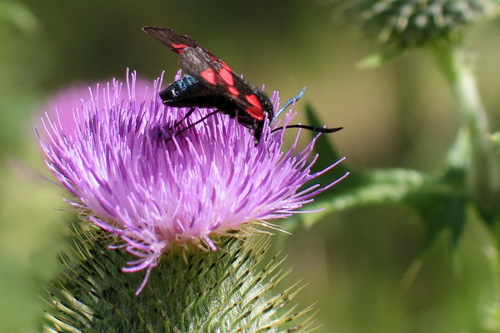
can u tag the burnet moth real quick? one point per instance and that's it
(211, 83)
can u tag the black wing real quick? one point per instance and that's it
(222, 80)
(175, 42)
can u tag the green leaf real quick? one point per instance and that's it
(439, 201)
(365, 188)
(442, 208)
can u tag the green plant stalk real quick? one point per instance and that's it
(483, 170)
(482, 164)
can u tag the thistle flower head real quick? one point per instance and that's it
(70, 101)
(411, 23)
(151, 188)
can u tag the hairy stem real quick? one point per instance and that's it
(483, 174)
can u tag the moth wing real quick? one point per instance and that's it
(219, 77)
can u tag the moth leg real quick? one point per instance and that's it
(189, 113)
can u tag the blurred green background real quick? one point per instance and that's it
(354, 262)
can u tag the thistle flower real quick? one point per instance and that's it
(135, 178)
(69, 101)
(410, 23)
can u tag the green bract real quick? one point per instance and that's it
(411, 23)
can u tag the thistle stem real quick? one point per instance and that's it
(483, 173)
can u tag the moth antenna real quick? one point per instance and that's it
(290, 102)
(310, 128)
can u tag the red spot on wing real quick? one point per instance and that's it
(179, 48)
(225, 65)
(254, 100)
(209, 76)
(221, 62)
(233, 91)
(255, 109)
(227, 76)
(255, 112)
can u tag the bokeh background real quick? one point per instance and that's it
(364, 269)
